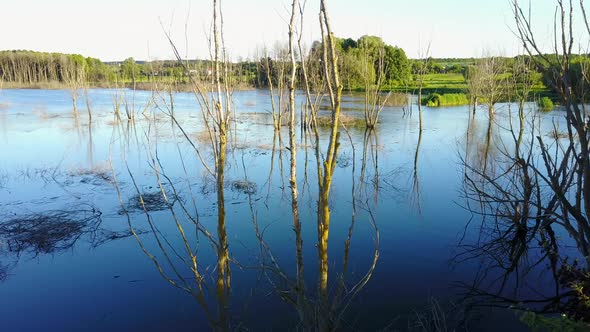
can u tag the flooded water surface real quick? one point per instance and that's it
(119, 225)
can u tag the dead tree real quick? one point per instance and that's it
(419, 74)
(74, 77)
(541, 188)
(374, 98)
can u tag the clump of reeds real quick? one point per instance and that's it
(343, 160)
(150, 201)
(556, 134)
(48, 231)
(348, 120)
(44, 115)
(447, 99)
(438, 318)
(96, 175)
(245, 186)
(203, 138)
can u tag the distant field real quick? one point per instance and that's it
(440, 83)
(452, 83)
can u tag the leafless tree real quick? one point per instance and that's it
(540, 188)
(74, 76)
(419, 74)
(374, 98)
(486, 83)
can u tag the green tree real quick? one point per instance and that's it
(397, 66)
(130, 69)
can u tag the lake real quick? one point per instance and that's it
(78, 251)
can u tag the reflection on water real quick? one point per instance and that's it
(114, 212)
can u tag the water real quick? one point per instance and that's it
(95, 276)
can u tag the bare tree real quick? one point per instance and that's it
(419, 74)
(538, 190)
(276, 67)
(485, 81)
(374, 98)
(74, 76)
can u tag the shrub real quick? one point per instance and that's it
(448, 99)
(545, 104)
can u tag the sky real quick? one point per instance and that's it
(113, 30)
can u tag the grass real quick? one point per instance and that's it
(150, 201)
(49, 231)
(348, 120)
(98, 174)
(440, 83)
(449, 99)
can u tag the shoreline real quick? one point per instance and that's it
(142, 86)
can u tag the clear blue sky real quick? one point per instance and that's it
(116, 29)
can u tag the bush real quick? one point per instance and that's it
(545, 104)
(448, 99)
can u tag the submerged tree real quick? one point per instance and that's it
(539, 189)
(485, 82)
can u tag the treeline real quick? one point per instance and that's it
(362, 62)
(30, 67)
(34, 67)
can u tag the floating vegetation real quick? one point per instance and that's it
(44, 115)
(203, 138)
(556, 134)
(97, 175)
(347, 120)
(151, 201)
(103, 236)
(343, 160)
(49, 231)
(245, 186)
(209, 186)
(43, 173)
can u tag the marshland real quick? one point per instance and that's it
(323, 184)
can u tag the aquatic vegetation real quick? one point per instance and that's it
(449, 99)
(149, 201)
(347, 120)
(49, 231)
(556, 134)
(245, 186)
(98, 175)
(438, 317)
(545, 104)
(344, 160)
